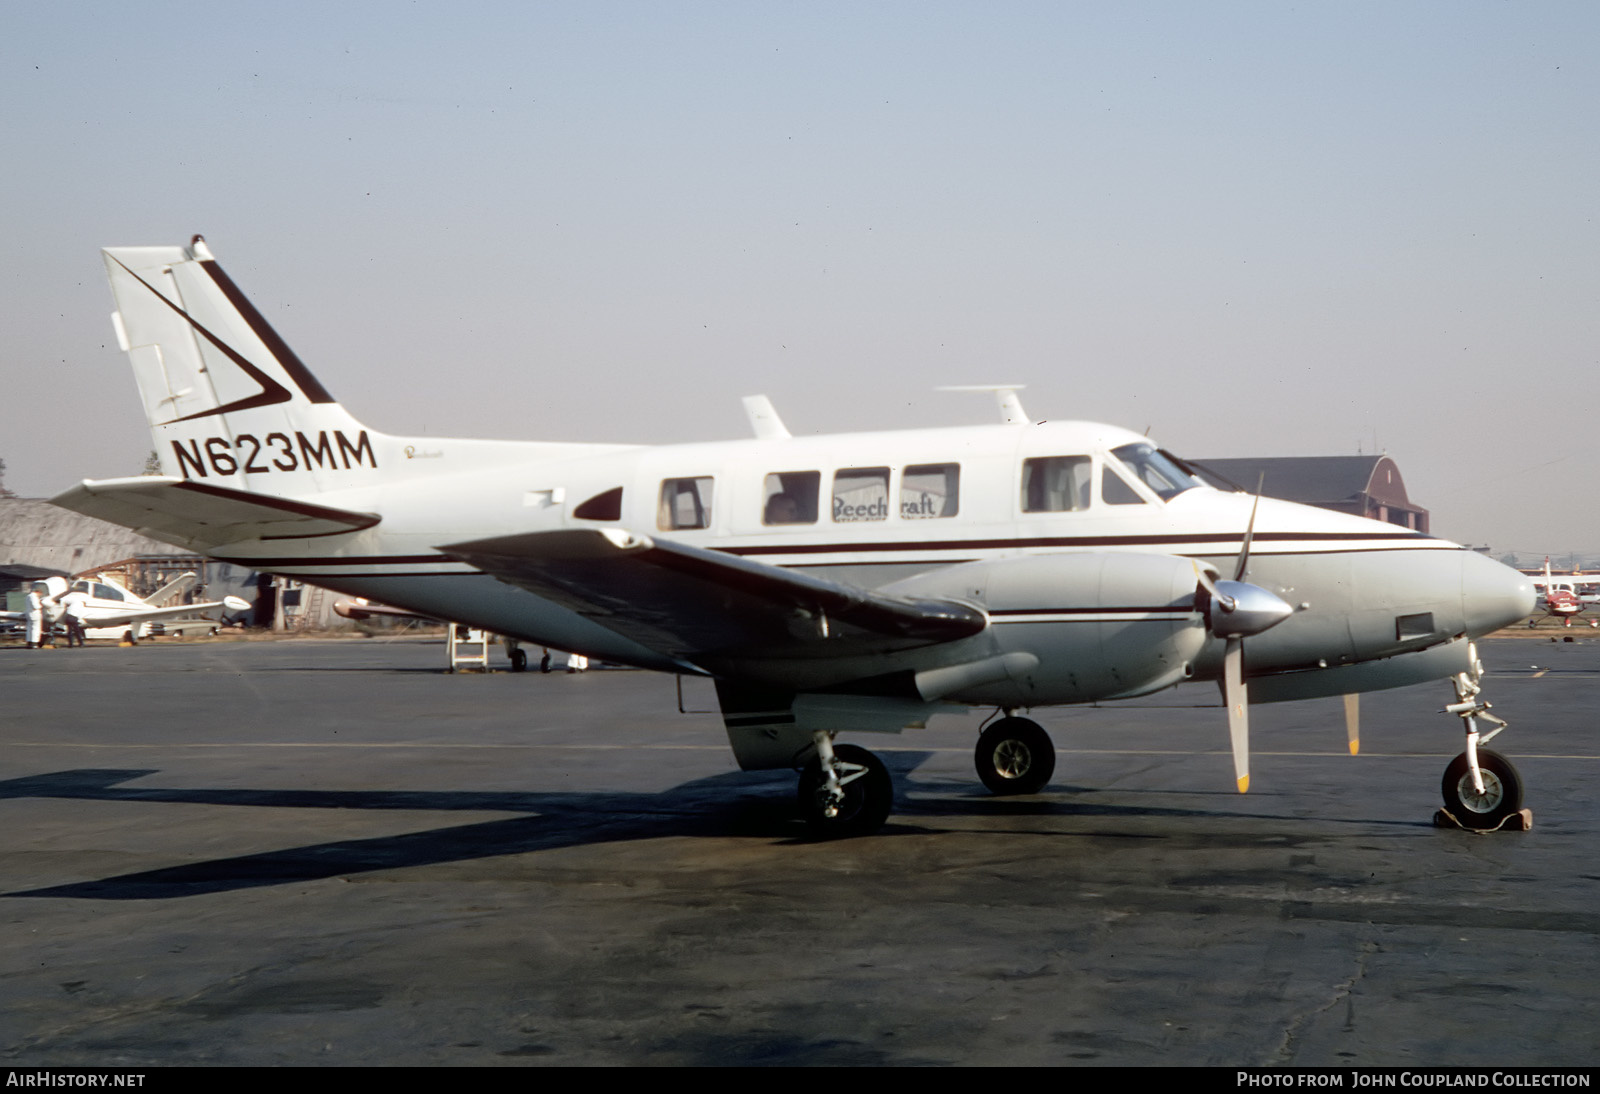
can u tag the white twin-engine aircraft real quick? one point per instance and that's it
(856, 582)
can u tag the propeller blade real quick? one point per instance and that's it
(1352, 721)
(1237, 701)
(1249, 532)
(1206, 582)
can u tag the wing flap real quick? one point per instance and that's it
(691, 603)
(198, 516)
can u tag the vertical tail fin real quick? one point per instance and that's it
(227, 400)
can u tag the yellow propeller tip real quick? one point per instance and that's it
(1355, 748)
(1244, 783)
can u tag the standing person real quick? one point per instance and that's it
(73, 615)
(35, 614)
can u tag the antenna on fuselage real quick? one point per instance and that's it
(1011, 412)
(764, 420)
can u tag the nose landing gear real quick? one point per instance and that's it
(1481, 788)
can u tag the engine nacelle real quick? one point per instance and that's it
(1102, 626)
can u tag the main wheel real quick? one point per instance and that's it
(519, 660)
(868, 796)
(1015, 756)
(1502, 790)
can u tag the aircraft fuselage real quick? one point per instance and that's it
(923, 511)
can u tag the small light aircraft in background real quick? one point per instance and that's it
(1562, 596)
(108, 609)
(827, 584)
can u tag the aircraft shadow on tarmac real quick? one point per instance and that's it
(732, 804)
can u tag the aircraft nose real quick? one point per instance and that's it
(1493, 595)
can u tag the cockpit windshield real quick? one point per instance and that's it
(1156, 469)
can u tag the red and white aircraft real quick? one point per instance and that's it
(1562, 596)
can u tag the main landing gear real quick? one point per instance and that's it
(844, 790)
(1481, 788)
(1015, 756)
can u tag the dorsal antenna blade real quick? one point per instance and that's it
(1011, 412)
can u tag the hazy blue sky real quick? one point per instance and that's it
(1256, 228)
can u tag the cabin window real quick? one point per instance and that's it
(791, 497)
(1114, 491)
(1056, 484)
(606, 506)
(685, 503)
(106, 592)
(861, 493)
(1155, 470)
(930, 490)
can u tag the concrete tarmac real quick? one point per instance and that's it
(331, 852)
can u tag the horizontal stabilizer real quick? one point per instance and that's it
(197, 516)
(694, 604)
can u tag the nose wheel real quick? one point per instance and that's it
(1015, 756)
(844, 791)
(1499, 798)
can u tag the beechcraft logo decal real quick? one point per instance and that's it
(271, 391)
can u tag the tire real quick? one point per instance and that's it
(867, 799)
(1015, 756)
(1502, 790)
(519, 660)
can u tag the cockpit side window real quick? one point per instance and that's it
(930, 490)
(685, 503)
(1155, 470)
(1056, 484)
(861, 493)
(791, 497)
(1114, 491)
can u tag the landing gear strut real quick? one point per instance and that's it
(844, 791)
(1481, 788)
(1015, 756)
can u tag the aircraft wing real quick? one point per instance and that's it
(197, 516)
(693, 604)
(211, 609)
(180, 584)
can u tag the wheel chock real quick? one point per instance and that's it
(1520, 821)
